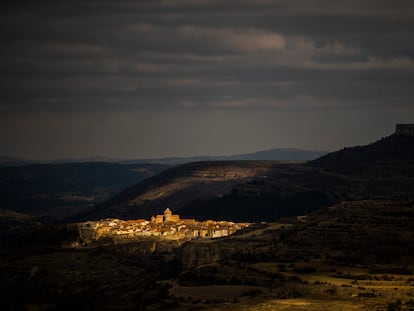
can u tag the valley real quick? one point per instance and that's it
(53, 192)
(229, 235)
(207, 155)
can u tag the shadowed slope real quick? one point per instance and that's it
(178, 186)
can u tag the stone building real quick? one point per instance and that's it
(157, 219)
(168, 216)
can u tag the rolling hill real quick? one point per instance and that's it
(269, 190)
(232, 190)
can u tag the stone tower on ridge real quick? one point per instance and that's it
(404, 129)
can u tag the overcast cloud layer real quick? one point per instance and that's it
(162, 78)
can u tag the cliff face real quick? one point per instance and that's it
(260, 242)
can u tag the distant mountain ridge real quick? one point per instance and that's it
(10, 161)
(277, 154)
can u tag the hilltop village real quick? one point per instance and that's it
(167, 226)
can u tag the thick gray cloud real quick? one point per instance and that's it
(196, 59)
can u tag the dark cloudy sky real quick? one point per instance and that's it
(161, 78)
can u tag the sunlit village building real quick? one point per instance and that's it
(167, 226)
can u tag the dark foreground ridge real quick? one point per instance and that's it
(356, 255)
